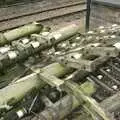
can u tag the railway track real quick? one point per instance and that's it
(13, 17)
(9, 3)
(35, 10)
(108, 79)
(107, 82)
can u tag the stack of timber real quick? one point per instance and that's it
(61, 74)
(104, 12)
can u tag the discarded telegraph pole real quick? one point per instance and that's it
(17, 33)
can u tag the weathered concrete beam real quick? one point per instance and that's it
(64, 106)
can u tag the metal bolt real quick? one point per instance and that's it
(99, 77)
(115, 87)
